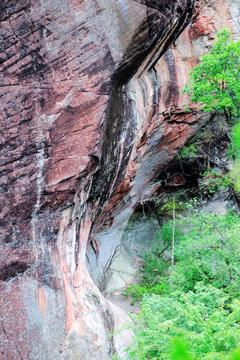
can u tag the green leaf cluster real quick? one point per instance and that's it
(189, 151)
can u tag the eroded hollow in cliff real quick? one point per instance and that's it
(122, 242)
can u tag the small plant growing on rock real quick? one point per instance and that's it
(213, 181)
(189, 151)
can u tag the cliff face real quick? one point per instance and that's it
(90, 116)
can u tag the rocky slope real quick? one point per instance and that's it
(90, 116)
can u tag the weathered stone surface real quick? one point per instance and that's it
(90, 116)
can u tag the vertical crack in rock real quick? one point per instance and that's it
(171, 94)
(120, 132)
(108, 320)
(38, 245)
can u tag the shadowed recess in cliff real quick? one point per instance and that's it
(12, 270)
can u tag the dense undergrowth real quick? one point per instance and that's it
(190, 310)
(207, 249)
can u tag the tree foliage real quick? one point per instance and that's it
(194, 325)
(215, 82)
(192, 308)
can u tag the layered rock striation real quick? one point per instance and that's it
(90, 116)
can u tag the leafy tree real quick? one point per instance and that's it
(215, 82)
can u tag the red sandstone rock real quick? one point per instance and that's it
(90, 116)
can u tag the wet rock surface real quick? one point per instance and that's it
(90, 116)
